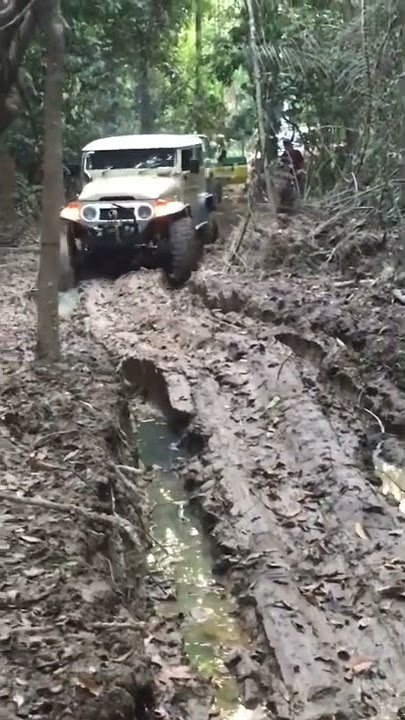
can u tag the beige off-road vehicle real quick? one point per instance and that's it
(144, 202)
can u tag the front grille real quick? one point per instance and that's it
(123, 213)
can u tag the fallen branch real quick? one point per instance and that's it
(130, 469)
(234, 250)
(376, 418)
(129, 485)
(284, 362)
(114, 521)
(34, 629)
(53, 435)
(38, 465)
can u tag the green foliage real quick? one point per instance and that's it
(108, 42)
(328, 67)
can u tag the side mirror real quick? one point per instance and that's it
(194, 166)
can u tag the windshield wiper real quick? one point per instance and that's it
(107, 169)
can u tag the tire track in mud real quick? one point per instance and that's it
(312, 545)
(323, 331)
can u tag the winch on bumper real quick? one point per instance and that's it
(103, 226)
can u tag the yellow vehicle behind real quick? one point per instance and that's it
(233, 170)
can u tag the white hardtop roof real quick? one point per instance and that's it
(143, 142)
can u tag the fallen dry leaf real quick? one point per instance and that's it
(273, 402)
(361, 532)
(30, 539)
(393, 592)
(175, 672)
(157, 660)
(56, 689)
(88, 682)
(37, 464)
(360, 665)
(33, 572)
(123, 657)
(18, 700)
(5, 632)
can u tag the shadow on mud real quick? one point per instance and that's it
(106, 266)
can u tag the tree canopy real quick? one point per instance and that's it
(330, 70)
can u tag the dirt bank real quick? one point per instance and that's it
(314, 552)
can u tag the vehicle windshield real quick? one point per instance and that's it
(126, 159)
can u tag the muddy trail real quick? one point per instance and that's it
(265, 475)
(311, 548)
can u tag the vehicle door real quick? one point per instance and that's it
(193, 183)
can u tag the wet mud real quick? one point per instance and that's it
(73, 617)
(313, 550)
(282, 378)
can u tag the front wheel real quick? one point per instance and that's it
(77, 258)
(183, 251)
(218, 192)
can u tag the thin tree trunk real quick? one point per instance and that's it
(401, 169)
(198, 63)
(8, 232)
(401, 88)
(53, 194)
(146, 110)
(17, 26)
(259, 106)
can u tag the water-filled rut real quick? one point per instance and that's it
(181, 559)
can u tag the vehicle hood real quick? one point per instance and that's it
(140, 187)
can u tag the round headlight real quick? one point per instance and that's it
(89, 213)
(144, 212)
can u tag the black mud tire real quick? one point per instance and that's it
(215, 188)
(218, 192)
(77, 259)
(212, 231)
(183, 250)
(210, 188)
(66, 280)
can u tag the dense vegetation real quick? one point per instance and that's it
(330, 69)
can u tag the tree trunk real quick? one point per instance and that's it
(198, 64)
(401, 88)
(259, 106)
(17, 25)
(401, 169)
(53, 195)
(145, 101)
(8, 232)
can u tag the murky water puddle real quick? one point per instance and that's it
(392, 479)
(68, 301)
(210, 630)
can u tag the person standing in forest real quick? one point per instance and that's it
(292, 156)
(295, 160)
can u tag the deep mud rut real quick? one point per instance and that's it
(282, 384)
